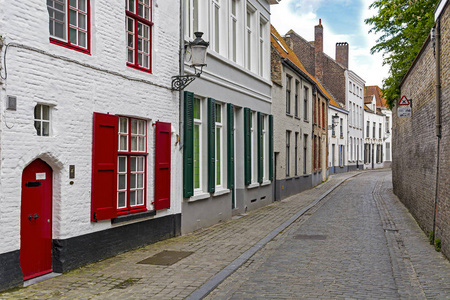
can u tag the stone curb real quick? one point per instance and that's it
(217, 279)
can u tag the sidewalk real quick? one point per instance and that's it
(213, 248)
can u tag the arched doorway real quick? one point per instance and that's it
(36, 220)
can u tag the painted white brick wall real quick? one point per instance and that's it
(76, 91)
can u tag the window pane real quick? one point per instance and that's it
(139, 44)
(141, 144)
(133, 164)
(216, 25)
(140, 164)
(234, 40)
(45, 128)
(132, 181)
(196, 156)
(121, 200)
(195, 18)
(81, 39)
(131, 41)
(218, 156)
(140, 183)
(72, 17)
(196, 108)
(218, 113)
(130, 56)
(122, 164)
(123, 143)
(73, 3)
(59, 30)
(133, 143)
(122, 181)
(73, 36)
(130, 25)
(233, 7)
(82, 5)
(37, 125)
(141, 127)
(37, 111)
(140, 59)
(140, 197)
(123, 125)
(133, 126)
(131, 5)
(133, 198)
(82, 21)
(59, 16)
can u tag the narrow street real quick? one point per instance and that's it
(358, 242)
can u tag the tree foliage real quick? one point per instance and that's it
(404, 26)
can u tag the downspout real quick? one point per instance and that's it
(181, 104)
(437, 45)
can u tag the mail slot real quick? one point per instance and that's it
(32, 184)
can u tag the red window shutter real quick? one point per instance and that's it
(104, 167)
(162, 165)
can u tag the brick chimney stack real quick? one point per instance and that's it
(318, 37)
(342, 54)
(318, 50)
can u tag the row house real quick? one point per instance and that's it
(374, 121)
(345, 86)
(387, 137)
(337, 138)
(88, 130)
(227, 121)
(292, 106)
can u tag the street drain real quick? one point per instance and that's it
(310, 237)
(165, 258)
(126, 283)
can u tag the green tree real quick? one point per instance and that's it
(404, 26)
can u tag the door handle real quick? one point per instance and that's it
(36, 216)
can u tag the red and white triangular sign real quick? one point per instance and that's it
(403, 101)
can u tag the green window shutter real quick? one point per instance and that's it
(247, 147)
(211, 145)
(270, 147)
(260, 148)
(230, 144)
(188, 148)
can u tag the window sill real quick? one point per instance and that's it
(221, 192)
(253, 185)
(69, 46)
(135, 216)
(289, 115)
(289, 178)
(297, 118)
(266, 182)
(306, 175)
(199, 196)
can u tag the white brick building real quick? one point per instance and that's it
(337, 138)
(374, 134)
(90, 61)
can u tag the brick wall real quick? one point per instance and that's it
(414, 152)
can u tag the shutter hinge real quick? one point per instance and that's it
(95, 217)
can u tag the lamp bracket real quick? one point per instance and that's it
(180, 82)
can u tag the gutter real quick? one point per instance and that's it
(181, 93)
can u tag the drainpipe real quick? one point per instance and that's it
(437, 45)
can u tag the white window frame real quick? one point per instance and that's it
(41, 120)
(215, 30)
(233, 55)
(249, 43)
(219, 150)
(262, 44)
(191, 9)
(199, 123)
(254, 147)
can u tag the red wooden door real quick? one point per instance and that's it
(36, 220)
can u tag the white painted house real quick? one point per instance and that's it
(337, 138)
(88, 129)
(355, 105)
(227, 123)
(374, 134)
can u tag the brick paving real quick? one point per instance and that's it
(373, 250)
(357, 243)
(214, 248)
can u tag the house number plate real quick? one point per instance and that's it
(40, 176)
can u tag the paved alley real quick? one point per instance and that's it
(358, 242)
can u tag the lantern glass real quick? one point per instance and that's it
(198, 55)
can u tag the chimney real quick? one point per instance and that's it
(342, 54)
(318, 37)
(318, 51)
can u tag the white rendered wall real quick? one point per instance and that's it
(336, 139)
(100, 82)
(378, 119)
(355, 128)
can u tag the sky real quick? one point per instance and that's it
(343, 21)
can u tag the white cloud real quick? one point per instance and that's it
(368, 66)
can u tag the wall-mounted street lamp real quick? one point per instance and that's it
(197, 51)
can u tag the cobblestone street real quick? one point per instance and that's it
(358, 242)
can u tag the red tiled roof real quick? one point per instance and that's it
(368, 99)
(375, 90)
